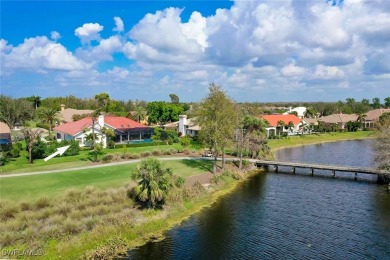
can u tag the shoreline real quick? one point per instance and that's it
(154, 227)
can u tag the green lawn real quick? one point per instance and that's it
(21, 165)
(35, 186)
(312, 139)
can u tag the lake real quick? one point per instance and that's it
(284, 216)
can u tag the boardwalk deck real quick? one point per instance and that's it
(383, 175)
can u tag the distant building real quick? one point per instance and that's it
(125, 130)
(372, 117)
(340, 119)
(185, 126)
(5, 134)
(273, 124)
(301, 111)
(66, 114)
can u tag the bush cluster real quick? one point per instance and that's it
(41, 149)
(77, 211)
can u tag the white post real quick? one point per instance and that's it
(182, 124)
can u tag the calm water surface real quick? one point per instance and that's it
(281, 216)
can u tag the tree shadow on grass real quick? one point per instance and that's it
(204, 165)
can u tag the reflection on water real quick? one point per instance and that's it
(281, 216)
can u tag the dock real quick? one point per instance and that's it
(383, 176)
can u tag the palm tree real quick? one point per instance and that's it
(154, 182)
(139, 114)
(361, 118)
(280, 124)
(290, 126)
(48, 115)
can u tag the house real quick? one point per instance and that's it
(66, 115)
(185, 126)
(372, 117)
(125, 130)
(301, 111)
(5, 134)
(275, 128)
(340, 119)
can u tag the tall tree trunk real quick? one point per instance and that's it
(30, 159)
(240, 165)
(223, 158)
(215, 159)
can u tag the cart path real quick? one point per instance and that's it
(106, 165)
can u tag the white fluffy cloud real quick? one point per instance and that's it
(119, 26)
(162, 37)
(55, 35)
(102, 52)
(40, 54)
(88, 32)
(255, 49)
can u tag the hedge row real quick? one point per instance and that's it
(139, 144)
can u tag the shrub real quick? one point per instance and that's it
(25, 206)
(185, 141)
(156, 152)
(15, 151)
(108, 158)
(186, 151)
(41, 203)
(106, 249)
(111, 144)
(180, 181)
(146, 154)
(8, 211)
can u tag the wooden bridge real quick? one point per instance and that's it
(383, 176)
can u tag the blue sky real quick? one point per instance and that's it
(286, 50)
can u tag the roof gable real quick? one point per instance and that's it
(338, 118)
(114, 122)
(118, 122)
(274, 119)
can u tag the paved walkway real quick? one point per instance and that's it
(97, 166)
(110, 164)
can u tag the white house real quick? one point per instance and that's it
(301, 111)
(125, 130)
(274, 127)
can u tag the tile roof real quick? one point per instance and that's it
(115, 122)
(338, 118)
(67, 114)
(73, 128)
(274, 119)
(374, 115)
(4, 128)
(122, 122)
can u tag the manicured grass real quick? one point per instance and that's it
(35, 186)
(323, 137)
(21, 165)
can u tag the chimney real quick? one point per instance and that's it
(62, 107)
(182, 124)
(101, 120)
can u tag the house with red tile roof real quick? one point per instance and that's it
(5, 134)
(274, 128)
(125, 130)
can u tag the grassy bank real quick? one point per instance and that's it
(29, 188)
(90, 221)
(292, 141)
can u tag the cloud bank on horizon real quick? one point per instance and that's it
(287, 50)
